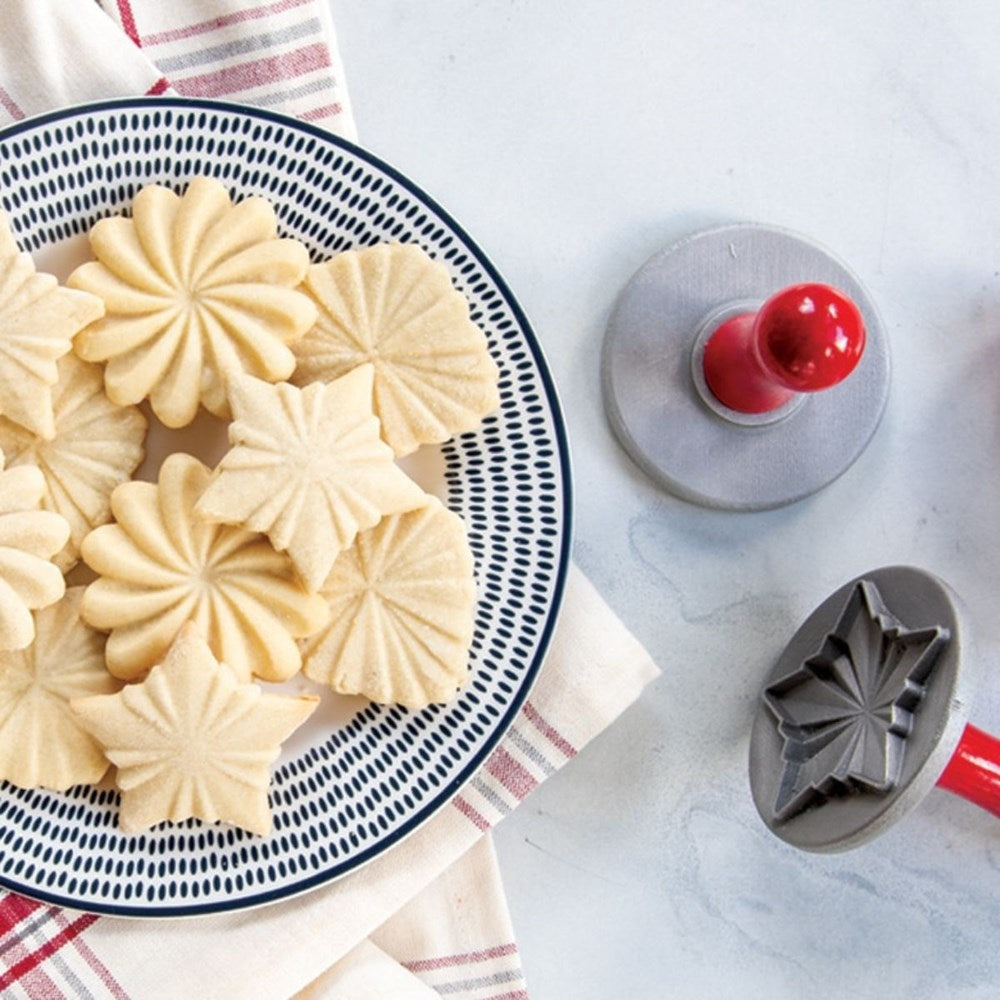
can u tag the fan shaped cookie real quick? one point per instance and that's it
(307, 468)
(394, 306)
(42, 744)
(97, 445)
(160, 567)
(29, 538)
(402, 602)
(193, 741)
(38, 321)
(197, 290)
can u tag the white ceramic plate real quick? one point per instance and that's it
(357, 777)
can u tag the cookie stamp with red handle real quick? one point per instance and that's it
(745, 367)
(866, 710)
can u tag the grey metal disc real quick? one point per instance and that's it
(692, 444)
(811, 785)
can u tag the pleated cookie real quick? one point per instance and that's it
(308, 469)
(29, 538)
(192, 740)
(97, 446)
(42, 743)
(160, 566)
(402, 605)
(394, 306)
(197, 290)
(38, 321)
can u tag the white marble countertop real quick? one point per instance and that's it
(573, 140)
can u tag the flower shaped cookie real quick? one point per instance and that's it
(308, 469)
(29, 538)
(97, 445)
(160, 567)
(394, 306)
(197, 291)
(38, 320)
(192, 741)
(42, 744)
(402, 602)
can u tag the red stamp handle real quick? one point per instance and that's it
(804, 338)
(974, 770)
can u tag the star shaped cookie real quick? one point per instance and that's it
(308, 469)
(38, 321)
(191, 740)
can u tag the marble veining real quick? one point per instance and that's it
(575, 140)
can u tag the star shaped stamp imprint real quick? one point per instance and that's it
(846, 712)
(860, 714)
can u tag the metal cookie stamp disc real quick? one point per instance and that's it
(666, 417)
(862, 712)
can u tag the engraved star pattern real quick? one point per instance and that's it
(160, 566)
(197, 291)
(846, 712)
(193, 741)
(38, 321)
(308, 469)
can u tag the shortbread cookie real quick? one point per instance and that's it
(307, 468)
(402, 602)
(193, 741)
(160, 567)
(38, 321)
(29, 538)
(42, 743)
(97, 445)
(197, 291)
(394, 306)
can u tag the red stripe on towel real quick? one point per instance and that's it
(257, 73)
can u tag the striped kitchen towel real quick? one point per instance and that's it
(316, 942)
(427, 918)
(281, 55)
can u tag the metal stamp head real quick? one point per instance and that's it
(858, 717)
(845, 713)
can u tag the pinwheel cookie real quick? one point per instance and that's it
(29, 538)
(42, 743)
(197, 291)
(38, 320)
(402, 601)
(193, 741)
(97, 445)
(394, 306)
(308, 469)
(159, 567)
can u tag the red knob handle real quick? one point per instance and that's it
(804, 338)
(974, 769)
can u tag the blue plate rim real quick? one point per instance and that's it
(448, 792)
